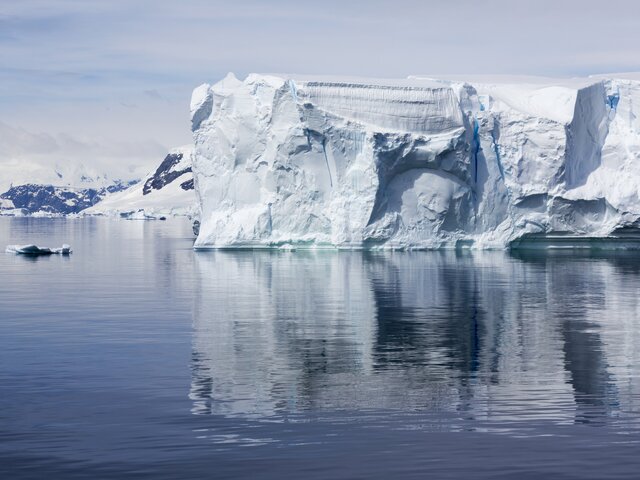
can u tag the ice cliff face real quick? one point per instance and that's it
(417, 163)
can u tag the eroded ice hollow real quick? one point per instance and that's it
(417, 163)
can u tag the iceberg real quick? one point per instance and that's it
(417, 163)
(35, 250)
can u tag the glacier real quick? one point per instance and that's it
(417, 163)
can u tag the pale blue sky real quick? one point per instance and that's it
(112, 78)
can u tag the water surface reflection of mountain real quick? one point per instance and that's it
(486, 336)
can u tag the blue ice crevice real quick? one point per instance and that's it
(326, 159)
(294, 91)
(496, 150)
(476, 147)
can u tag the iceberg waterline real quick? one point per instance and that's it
(416, 163)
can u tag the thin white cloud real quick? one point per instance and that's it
(63, 158)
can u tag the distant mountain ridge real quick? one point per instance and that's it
(33, 199)
(167, 190)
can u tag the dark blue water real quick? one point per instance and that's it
(139, 358)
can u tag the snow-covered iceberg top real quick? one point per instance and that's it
(424, 162)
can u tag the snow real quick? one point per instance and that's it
(424, 162)
(6, 204)
(170, 200)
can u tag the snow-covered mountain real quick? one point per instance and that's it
(416, 163)
(33, 199)
(168, 190)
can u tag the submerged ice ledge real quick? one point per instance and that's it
(424, 163)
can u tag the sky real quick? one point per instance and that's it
(108, 82)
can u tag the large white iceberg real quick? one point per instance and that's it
(416, 163)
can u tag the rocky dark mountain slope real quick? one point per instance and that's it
(48, 199)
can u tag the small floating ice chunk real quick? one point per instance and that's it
(28, 249)
(36, 250)
(63, 250)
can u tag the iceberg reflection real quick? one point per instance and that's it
(483, 336)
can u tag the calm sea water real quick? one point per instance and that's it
(137, 357)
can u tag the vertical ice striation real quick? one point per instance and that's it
(417, 163)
